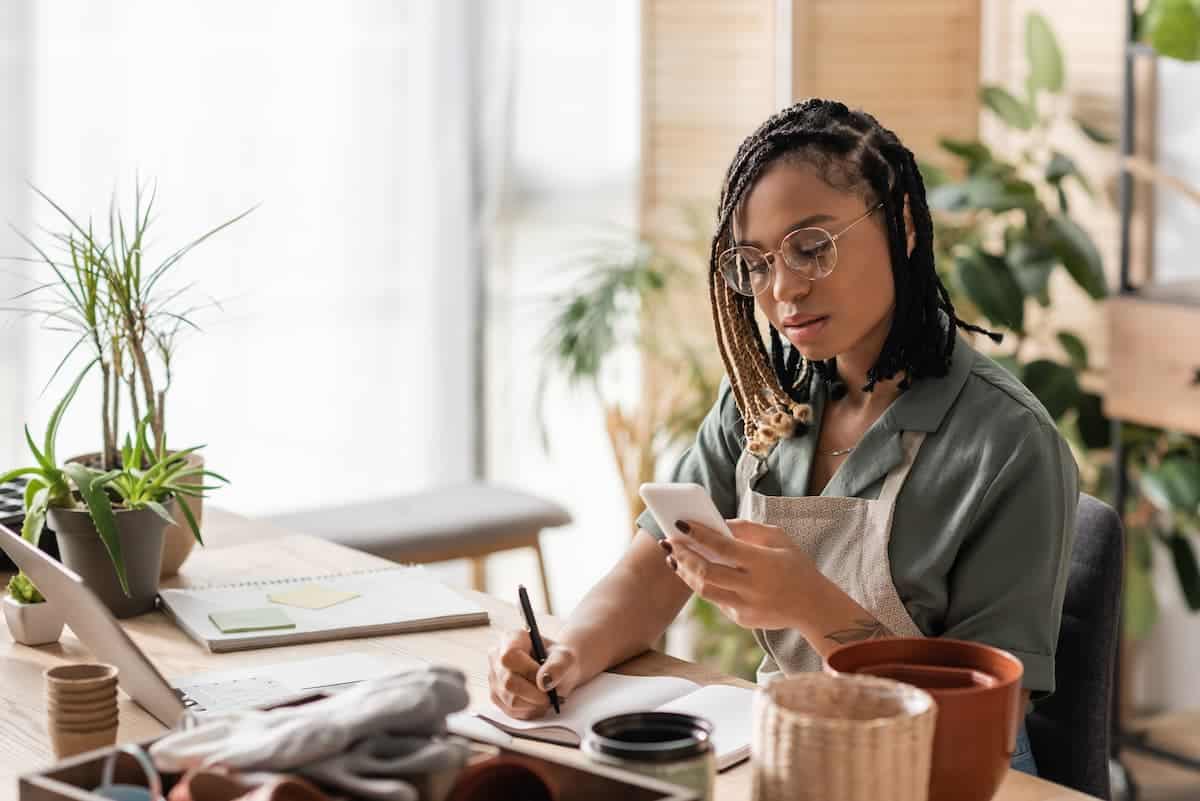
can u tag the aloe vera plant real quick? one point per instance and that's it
(147, 478)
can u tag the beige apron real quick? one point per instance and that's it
(848, 540)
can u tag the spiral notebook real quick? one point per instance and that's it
(371, 603)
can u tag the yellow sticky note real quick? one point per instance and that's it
(312, 596)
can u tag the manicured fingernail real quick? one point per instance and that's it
(672, 563)
(682, 526)
(666, 546)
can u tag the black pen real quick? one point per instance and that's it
(539, 648)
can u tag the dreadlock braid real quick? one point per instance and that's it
(851, 151)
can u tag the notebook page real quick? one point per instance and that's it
(391, 596)
(607, 694)
(731, 712)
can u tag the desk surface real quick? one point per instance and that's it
(25, 744)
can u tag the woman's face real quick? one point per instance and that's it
(848, 311)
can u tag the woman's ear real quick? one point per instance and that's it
(909, 228)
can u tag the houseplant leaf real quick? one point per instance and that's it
(1185, 567)
(1031, 266)
(1172, 27)
(990, 286)
(35, 516)
(1061, 166)
(56, 417)
(1008, 108)
(1094, 427)
(1076, 350)
(1054, 385)
(1079, 255)
(972, 151)
(91, 489)
(1092, 132)
(1042, 51)
(1174, 484)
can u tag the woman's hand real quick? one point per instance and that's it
(768, 588)
(519, 685)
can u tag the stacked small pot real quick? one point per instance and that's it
(81, 707)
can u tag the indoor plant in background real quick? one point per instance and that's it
(130, 319)
(1003, 230)
(110, 522)
(623, 298)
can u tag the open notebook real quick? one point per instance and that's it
(729, 709)
(391, 600)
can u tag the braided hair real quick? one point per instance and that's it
(851, 151)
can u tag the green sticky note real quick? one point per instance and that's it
(237, 621)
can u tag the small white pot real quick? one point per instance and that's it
(33, 624)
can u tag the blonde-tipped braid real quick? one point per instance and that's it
(768, 413)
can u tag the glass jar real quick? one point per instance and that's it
(670, 746)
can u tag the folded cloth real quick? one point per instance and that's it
(383, 767)
(411, 703)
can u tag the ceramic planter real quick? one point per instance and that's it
(178, 540)
(32, 624)
(140, 533)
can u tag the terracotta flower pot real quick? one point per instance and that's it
(978, 693)
(33, 624)
(140, 533)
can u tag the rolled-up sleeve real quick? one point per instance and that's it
(711, 460)
(1007, 583)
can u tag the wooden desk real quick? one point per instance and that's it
(25, 745)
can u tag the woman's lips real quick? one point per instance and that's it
(804, 329)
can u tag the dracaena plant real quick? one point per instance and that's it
(1003, 229)
(148, 478)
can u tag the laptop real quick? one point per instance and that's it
(223, 691)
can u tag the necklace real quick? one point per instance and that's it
(843, 451)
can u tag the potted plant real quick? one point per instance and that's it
(110, 523)
(125, 313)
(31, 619)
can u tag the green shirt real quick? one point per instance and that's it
(982, 531)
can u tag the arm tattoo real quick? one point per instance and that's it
(866, 629)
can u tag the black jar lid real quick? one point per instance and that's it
(651, 736)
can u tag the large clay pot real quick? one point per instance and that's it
(140, 533)
(978, 693)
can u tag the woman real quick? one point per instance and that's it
(882, 476)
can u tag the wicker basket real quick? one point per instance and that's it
(842, 738)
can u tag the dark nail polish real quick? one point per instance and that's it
(666, 546)
(546, 681)
(682, 526)
(672, 563)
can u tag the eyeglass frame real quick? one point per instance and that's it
(768, 255)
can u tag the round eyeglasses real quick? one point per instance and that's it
(811, 252)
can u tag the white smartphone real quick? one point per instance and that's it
(669, 502)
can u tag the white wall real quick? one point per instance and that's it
(324, 376)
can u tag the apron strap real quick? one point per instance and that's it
(910, 444)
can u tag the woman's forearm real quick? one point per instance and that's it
(831, 618)
(627, 610)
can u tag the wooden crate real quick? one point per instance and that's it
(577, 778)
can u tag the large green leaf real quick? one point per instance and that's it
(91, 489)
(1173, 485)
(1094, 427)
(1079, 255)
(990, 286)
(1076, 350)
(1045, 57)
(35, 516)
(1092, 132)
(972, 151)
(1185, 567)
(60, 409)
(1008, 108)
(1031, 265)
(1172, 27)
(1054, 385)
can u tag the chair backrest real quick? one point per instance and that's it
(1070, 730)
